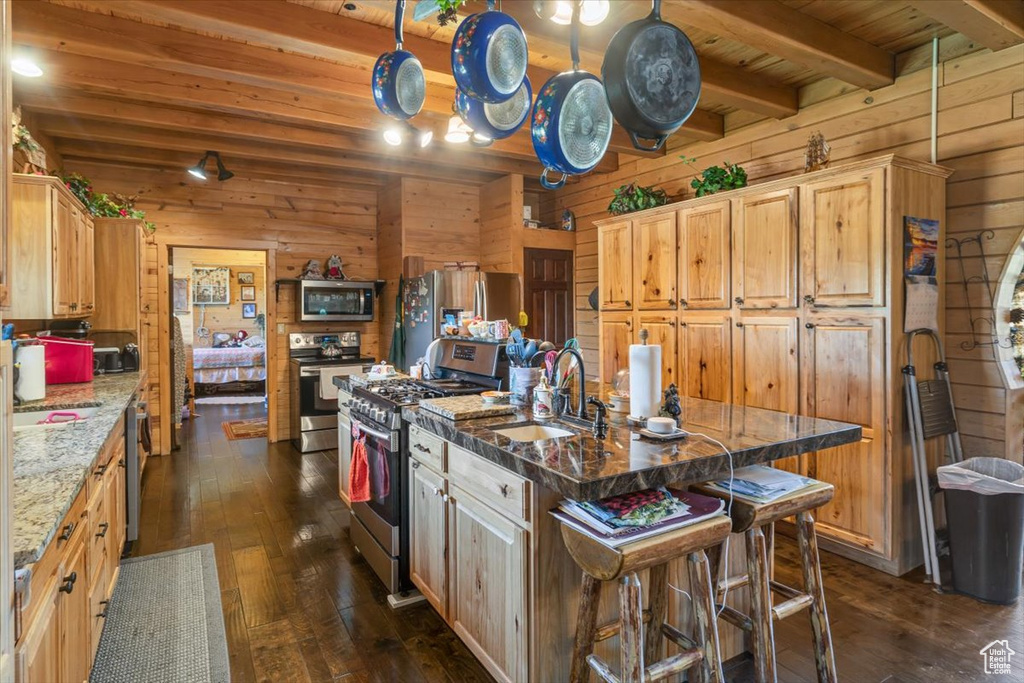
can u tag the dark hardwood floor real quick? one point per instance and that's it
(301, 605)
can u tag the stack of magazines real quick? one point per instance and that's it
(629, 517)
(761, 484)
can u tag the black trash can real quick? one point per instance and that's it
(985, 515)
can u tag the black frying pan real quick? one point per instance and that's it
(652, 78)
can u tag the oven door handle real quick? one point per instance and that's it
(383, 436)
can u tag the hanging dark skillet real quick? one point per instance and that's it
(652, 78)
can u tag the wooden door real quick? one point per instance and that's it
(548, 294)
(85, 267)
(705, 357)
(842, 240)
(616, 334)
(428, 536)
(764, 250)
(64, 253)
(663, 330)
(615, 266)
(705, 262)
(489, 579)
(843, 370)
(75, 619)
(654, 262)
(38, 652)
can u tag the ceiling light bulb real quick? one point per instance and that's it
(197, 172)
(456, 130)
(393, 136)
(425, 137)
(481, 140)
(23, 66)
(592, 12)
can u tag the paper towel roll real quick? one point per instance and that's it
(644, 380)
(31, 384)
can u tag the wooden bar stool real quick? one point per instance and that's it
(603, 563)
(757, 522)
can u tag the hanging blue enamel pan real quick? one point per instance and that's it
(399, 86)
(489, 56)
(571, 122)
(652, 78)
(496, 121)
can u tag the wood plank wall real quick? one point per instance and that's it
(501, 225)
(436, 221)
(297, 221)
(980, 136)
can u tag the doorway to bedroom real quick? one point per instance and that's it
(218, 338)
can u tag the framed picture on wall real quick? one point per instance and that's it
(181, 304)
(246, 278)
(248, 310)
(248, 293)
(211, 285)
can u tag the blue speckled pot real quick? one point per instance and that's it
(491, 119)
(547, 112)
(385, 84)
(489, 56)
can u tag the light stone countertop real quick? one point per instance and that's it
(51, 465)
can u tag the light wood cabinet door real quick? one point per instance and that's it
(65, 250)
(705, 262)
(765, 363)
(616, 334)
(655, 261)
(705, 357)
(663, 330)
(428, 535)
(615, 266)
(85, 265)
(489, 579)
(842, 238)
(843, 370)
(38, 653)
(764, 250)
(75, 617)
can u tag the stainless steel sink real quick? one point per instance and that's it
(533, 432)
(32, 420)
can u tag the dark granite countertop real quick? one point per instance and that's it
(51, 465)
(582, 468)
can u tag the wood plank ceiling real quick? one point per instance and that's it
(282, 89)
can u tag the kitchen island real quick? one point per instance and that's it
(488, 557)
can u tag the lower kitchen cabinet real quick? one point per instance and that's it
(39, 649)
(344, 444)
(428, 539)
(488, 579)
(75, 620)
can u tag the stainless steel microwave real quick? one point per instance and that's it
(335, 300)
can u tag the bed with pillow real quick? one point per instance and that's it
(225, 369)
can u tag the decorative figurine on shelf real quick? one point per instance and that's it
(817, 155)
(334, 269)
(672, 407)
(312, 270)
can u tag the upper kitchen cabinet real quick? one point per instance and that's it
(52, 273)
(842, 235)
(655, 262)
(615, 261)
(704, 258)
(764, 253)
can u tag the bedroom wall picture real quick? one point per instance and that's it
(248, 293)
(248, 310)
(181, 298)
(246, 278)
(211, 285)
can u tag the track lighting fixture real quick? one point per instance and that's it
(199, 170)
(403, 131)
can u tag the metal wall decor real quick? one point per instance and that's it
(983, 327)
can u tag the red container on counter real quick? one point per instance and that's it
(68, 361)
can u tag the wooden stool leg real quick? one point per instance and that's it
(760, 607)
(704, 618)
(631, 634)
(714, 554)
(657, 602)
(769, 544)
(586, 627)
(824, 657)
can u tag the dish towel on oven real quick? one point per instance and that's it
(359, 473)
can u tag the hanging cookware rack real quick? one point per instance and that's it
(986, 335)
(489, 56)
(399, 85)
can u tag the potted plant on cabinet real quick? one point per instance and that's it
(636, 197)
(717, 178)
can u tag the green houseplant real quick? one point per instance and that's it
(635, 197)
(102, 205)
(718, 178)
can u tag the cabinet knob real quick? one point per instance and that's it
(682, 302)
(808, 299)
(100, 470)
(809, 326)
(69, 583)
(415, 464)
(437, 491)
(504, 490)
(739, 324)
(421, 448)
(682, 324)
(445, 497)
(739, 300)
(628, 304)
(68, 530)
(105, 526)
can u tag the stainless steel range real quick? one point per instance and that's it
(380, 526)
(316, 357)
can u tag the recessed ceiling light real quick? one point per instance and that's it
(350, 6)
(23, 66)
(393, 135)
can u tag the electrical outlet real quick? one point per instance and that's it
(280, 328)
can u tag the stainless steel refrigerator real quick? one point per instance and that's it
(427, 299)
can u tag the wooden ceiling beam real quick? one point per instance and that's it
(289, 27)
(996, 24)
(784, 32)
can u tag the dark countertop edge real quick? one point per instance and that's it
(629, 481)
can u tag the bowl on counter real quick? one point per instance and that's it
(494, 397)
(618, 403)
